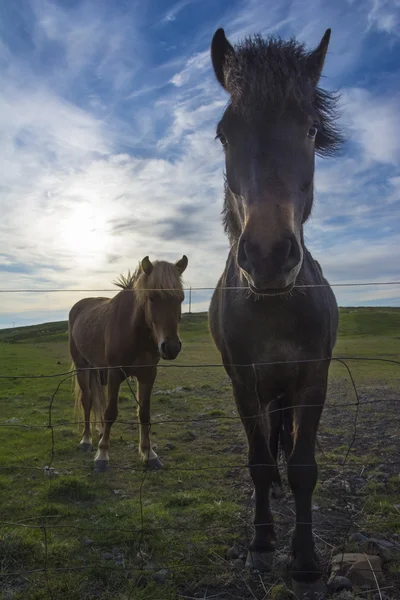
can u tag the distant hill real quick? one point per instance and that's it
(355, 321)
(58, 330)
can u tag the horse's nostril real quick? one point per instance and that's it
(163, 348)
(180, 346)
(293, 254)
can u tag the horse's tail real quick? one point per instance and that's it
(98, 396)
(77, 395)
(286, 432)
(97, 383)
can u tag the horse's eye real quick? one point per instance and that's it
(222, 138)
(312, 132)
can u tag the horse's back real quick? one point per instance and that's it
(86, 325)
(85, 306)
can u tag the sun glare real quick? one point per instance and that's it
(84, 233)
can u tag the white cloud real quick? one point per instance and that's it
(195, 65)
(384, 15)
(374, 122)
(174, 11)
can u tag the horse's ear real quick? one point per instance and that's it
(146, 265)
(182, 264)
(221, 49)
(316, 59)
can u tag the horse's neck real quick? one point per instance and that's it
(129, 313)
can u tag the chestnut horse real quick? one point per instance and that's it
(112, 339)
(276, 328)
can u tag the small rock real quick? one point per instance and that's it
(117, 492)
(338, 583)
(283, 560)
(87, 542)
(383, 543)
(361, 569)
(315, 507)
(169, 446)
(359, 538)
(371, 547)
(13, 420)
(107, 556)
(161, 576)
(188, 436)
(238, 563)
(233, 553)
(360, 480)
(50, 472)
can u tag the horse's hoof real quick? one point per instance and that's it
(262, 561)
(309, 591)
(100, 466)
(85, 447)
(154, 464)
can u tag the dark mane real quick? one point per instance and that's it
(128, 282)
(270, 75)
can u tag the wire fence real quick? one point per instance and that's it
(140, 567)
(192, 288)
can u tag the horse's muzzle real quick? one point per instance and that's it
(273, 272)
(169, 350)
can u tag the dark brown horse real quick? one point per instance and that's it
(131, 330)
(276, 121)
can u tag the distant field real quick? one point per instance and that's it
(85, 528)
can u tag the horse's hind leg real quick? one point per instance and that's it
(302, 475)
(103, 380)
(86, 400)
(276, 415)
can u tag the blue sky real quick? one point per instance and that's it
(107, 116)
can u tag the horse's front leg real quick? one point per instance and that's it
(302, 476)
(146, 380)
(115, 378)
(263, 471)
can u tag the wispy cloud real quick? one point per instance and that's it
(173, 12)
(384, 15)
(108, 118)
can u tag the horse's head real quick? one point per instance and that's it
(275, 122)
(160, 290)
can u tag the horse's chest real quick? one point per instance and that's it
(259, 333)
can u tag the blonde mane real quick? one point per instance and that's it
(164, 278)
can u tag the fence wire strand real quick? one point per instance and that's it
(189, 289)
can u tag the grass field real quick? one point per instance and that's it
(163, 535)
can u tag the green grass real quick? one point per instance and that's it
(91, 542)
